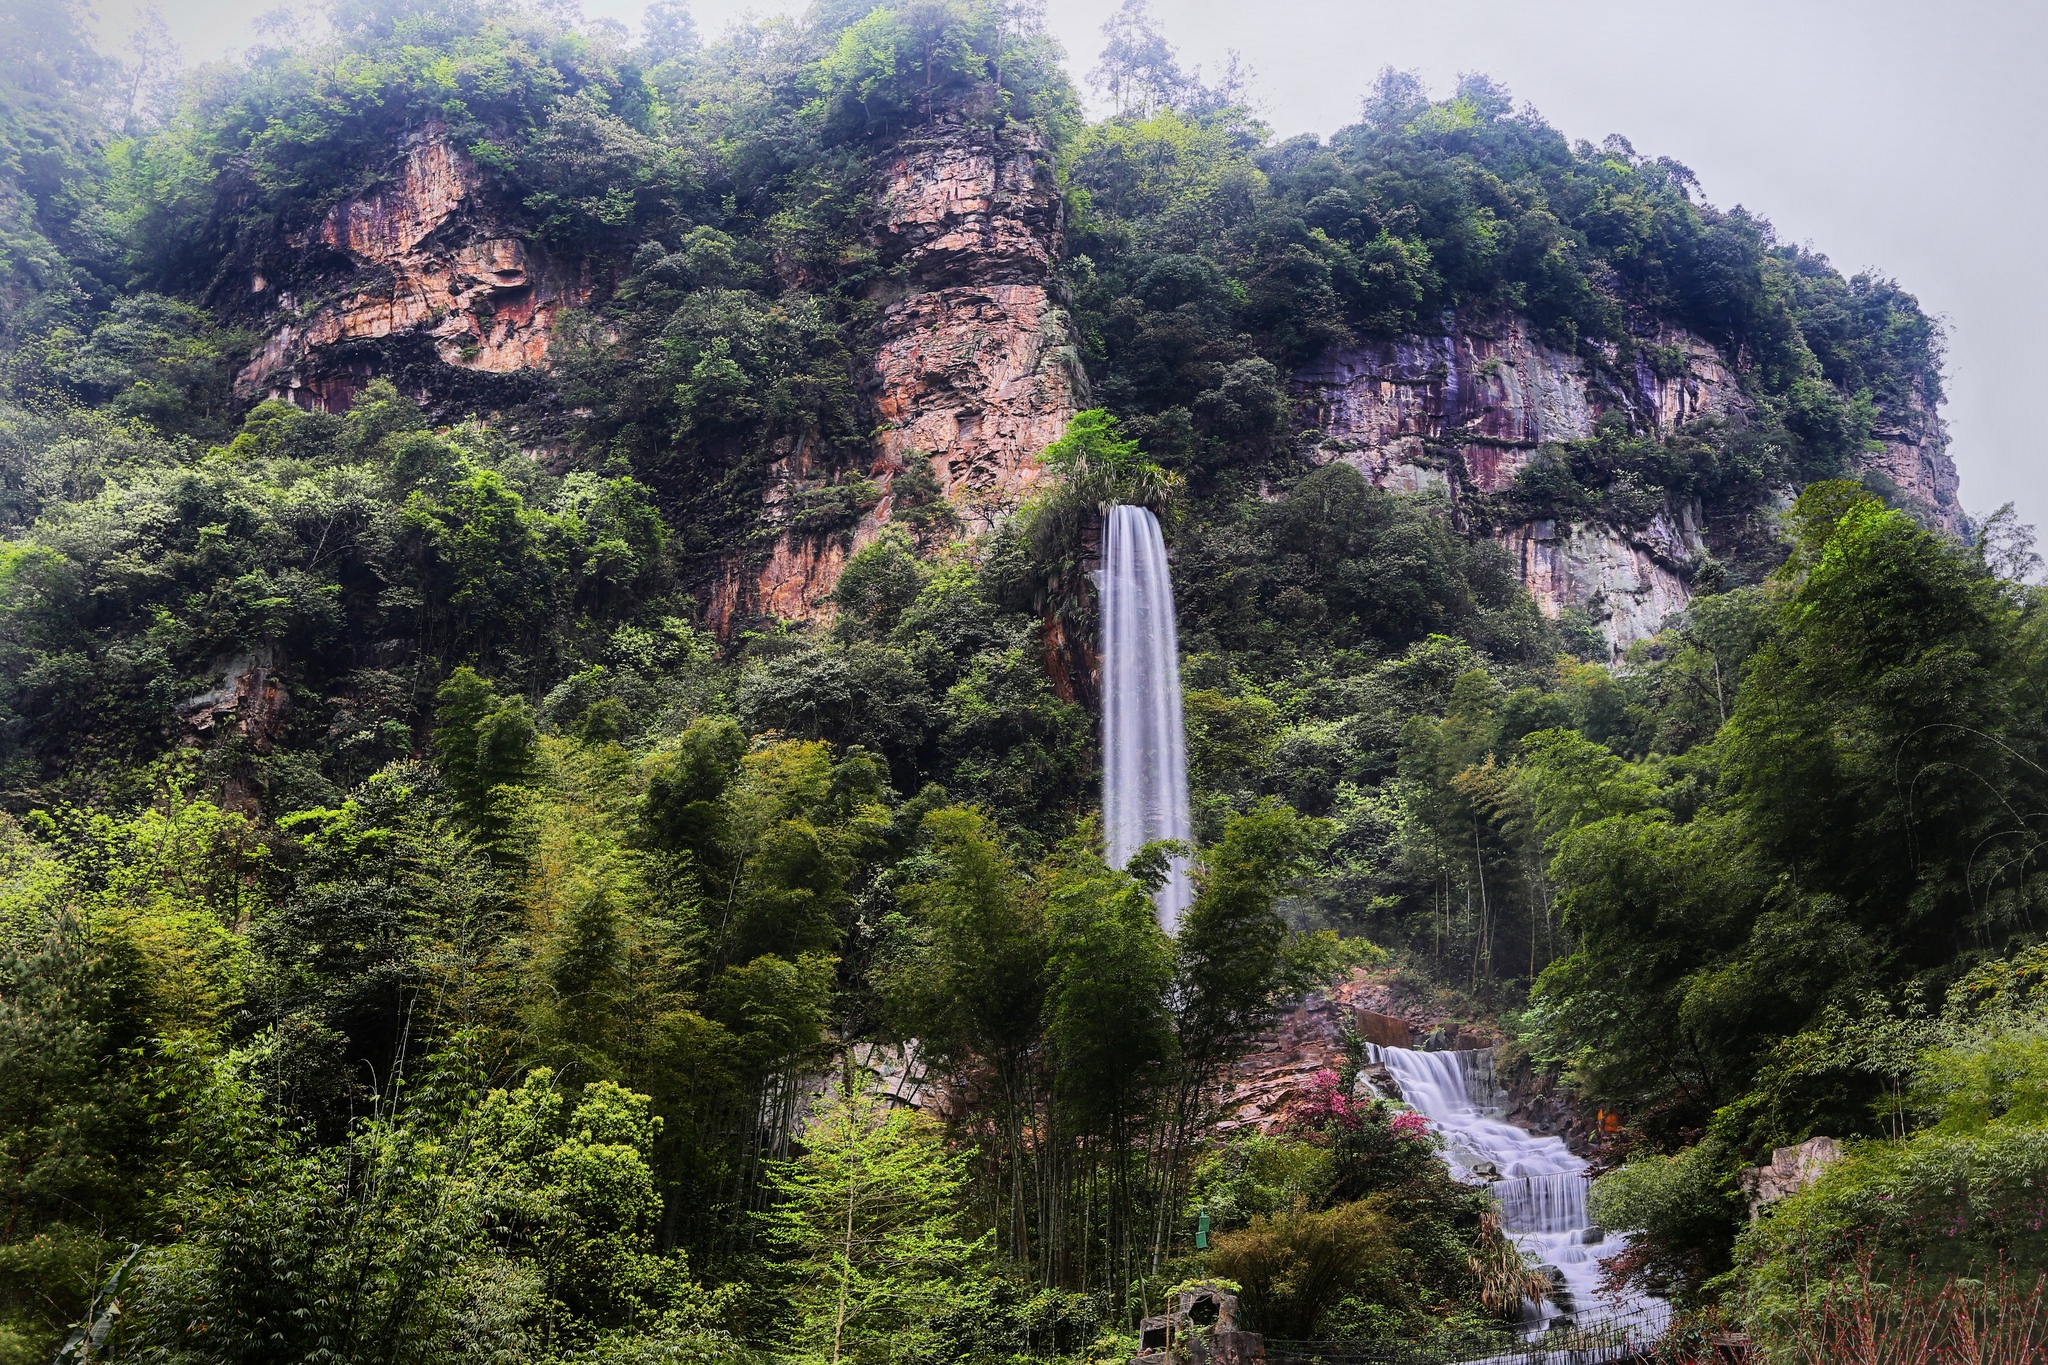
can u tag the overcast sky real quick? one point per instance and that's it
(1907, 138)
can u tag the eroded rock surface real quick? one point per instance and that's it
(1913, 456)
(1466, 410)
(251, 698)
(1463, 412)
(1281, 1070)
(425, 257)
(976, 368)
(976, 365)
(1791, 1170)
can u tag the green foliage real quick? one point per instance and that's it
(1093, 467)
(524, 1227)
(296, 548)
(869, 1218)
(76, 1121)
(900, 64)
(354, 757)
(1346, 1223)
(484, 742)
(1682, 1210)
(1294, 1267)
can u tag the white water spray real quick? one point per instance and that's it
(1539, 1182)
(1144, 751)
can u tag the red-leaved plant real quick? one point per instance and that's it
(1857, 1319)
(1326, 1106)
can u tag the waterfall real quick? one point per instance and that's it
(1144, 753)
(1538, 1182)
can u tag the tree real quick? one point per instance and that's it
(75, 1118)
(484, 742)
(971, 987)
(868, 1216)
(669, 30)
(1138, 70)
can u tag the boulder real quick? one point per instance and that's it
(1791, 1170)
(1386, 1030)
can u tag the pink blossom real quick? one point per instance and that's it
(1325, 1105)
(1410, 1124)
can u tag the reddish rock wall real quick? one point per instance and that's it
(1281, 1070)
(975, 362)
(1913, 455)
(423, 255)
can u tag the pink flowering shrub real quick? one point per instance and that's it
(1410, 1124)
(1326, 1106)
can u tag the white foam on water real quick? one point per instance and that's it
(1541, 1183)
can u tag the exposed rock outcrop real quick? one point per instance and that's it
(1281, 1071)
(975, 362)
(1203, 1327)
(1464, 411)
(1913, 457)
(424, 261)
(976, 368)
(1628, 582)
(251, 698)
(1791, 1170)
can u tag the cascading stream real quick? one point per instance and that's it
(1144, 751)
(1539, 1182)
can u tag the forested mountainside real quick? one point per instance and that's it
(547, 720)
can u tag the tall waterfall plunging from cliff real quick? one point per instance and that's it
(1144, 751)
(1538, 1182)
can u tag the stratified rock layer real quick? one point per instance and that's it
(976, 366)
(425, 258)
(1464, 411)
(1913, 456)
(975, 370)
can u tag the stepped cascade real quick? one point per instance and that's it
(1144, 749)
(1539, 1182)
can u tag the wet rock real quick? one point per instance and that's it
(1386, 1030)
(251, 698)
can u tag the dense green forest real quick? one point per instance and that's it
(503, 973)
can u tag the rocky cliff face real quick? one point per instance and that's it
(423, 271)
(1465, 411)
(976, 368)
(1913, 456)
(975, 362)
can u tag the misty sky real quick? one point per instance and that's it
(1904, 138)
